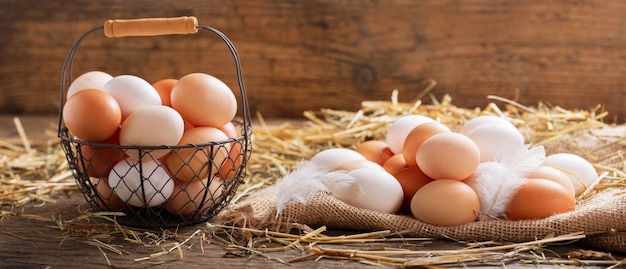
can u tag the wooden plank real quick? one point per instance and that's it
(30, 243)
(306, 55)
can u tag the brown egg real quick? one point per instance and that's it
(539, 198)
(229, 167)
(188, 125)
(375, 150)
(417, 136)
(164, 88)
(100, 160)
(92, 115)
(195, 196)
(230, 130)
(448, 155)
(191, 163)
(445, 202)
(554, 174)
(204, 100)
(105, 198)
(411, 179)
(395, 163)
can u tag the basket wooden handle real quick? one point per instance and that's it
(151, 26)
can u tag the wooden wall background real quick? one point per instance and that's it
(300, 55)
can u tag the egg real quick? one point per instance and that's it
(193, 163)
(232, 164)
(417, 136)
(333, 157)
(89, 80)
(445, 202)
(395, 163)
(132, 93)
(204, 100)
(104, 197)
(100, 159)
(554, 174)
(197, 196)
(375, 150)
(539, 198)
(448, 155)
(580, 171)
(164, 89)
(496, 141)
(188, 125)
(355, 164)
(92, 115)
(482, 120)
(400, 128)
(379, 191)
(154, 125)
(230, 130)
(141, 184)
(411, 179)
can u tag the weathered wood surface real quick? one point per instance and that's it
(29, 243)
(301, 55)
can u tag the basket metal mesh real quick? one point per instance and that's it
(157, 198)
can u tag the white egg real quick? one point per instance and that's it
(153, 125)
(379, 191)
(400, 128)
(496, 142)
(334, 157)
(152, 186)
(131, 93)
(481, 120)
(90, 80)
(580, 171)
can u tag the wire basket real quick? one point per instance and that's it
(155, 197)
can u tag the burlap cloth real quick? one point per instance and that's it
(601, 217)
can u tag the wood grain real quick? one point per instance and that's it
(306, 55)
(29, 243)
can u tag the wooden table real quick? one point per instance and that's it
(26, 242)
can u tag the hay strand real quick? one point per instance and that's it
(36, 173)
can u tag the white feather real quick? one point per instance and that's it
(497, 182)
(308, 178)
(525, 160)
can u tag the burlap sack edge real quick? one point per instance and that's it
(601, 219)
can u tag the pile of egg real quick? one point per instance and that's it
(127, 110)
(427, 170)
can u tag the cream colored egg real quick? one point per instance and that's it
(334, 157)
(131, 93)
(378, 190)
(90, 80)
(356, 164)
(141, 184)
(154, 125)
(496, 142)
(482, 120)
